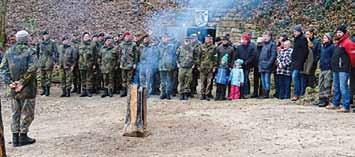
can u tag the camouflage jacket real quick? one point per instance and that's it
(108, 57)
(167, 57)
(186, 58)
(87, 52)
(19, 64)
(208, 57)
(197, 51)
(47, 54)
(128, 55)
(67, 56)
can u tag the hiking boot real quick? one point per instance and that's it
(25, 140)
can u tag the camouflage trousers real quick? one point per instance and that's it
(86, 79)
(76, 76)
(45, 77)
(185, 77)
(22, 114)
(127, 76)
(117, 85)
(207, 81)
(325, 83)
(66, 77)
(108, 80)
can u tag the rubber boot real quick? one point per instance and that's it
(25, 140)
(64, 93)
(15, 139)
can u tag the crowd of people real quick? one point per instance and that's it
(101, 63)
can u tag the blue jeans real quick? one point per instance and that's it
(265, 80)
(165, 82)
(298, 82)
(341, 89)
(284, 86)
(245, 89)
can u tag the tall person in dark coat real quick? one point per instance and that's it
(298, 58)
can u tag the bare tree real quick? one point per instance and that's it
(2, 21)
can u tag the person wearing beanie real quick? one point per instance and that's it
(266, 63)
(298, 58)
(47, 54)
(236, 79)
(343, 39)
(18, 69)
(128, 60)
(257, 83)
(67, 60)
(246, 51)
(325, 76)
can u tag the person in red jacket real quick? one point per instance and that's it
(343, 39)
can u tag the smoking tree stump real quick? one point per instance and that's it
(136, 116)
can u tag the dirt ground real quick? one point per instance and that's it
(92, 127)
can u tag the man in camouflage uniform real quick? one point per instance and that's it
(148, 63)
(18, 70)
(47, 56)
(117, 83)
(167, 64)
(208, 61)
(128, 60)
(87, 50)
(67, 61)
(107, 65)
(76, 72)
(99, 41)
(195, 72)
(186, 59)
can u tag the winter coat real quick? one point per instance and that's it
(349, 46)
(222, 76)
(267, 57)
(236, 77)
(300, 53)
(326, 54)
(247, 53)
(340, 60)
(225, 49)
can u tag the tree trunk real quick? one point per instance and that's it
(2, 22)
(2, 140)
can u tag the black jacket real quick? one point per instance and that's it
(300, 53)
(247, 54)
(340, 60)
